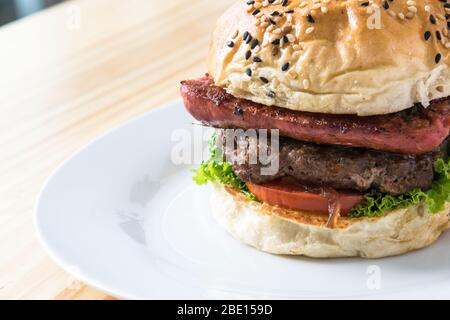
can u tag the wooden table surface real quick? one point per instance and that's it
(67, 75)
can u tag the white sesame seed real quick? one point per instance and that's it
(411, 3)
(401, 16)
(306, 84)
(309, 30)
(324, 9)
(392, 13)
(410, 15)
(427, 8)
(412, 9)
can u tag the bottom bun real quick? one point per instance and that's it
(281, 231)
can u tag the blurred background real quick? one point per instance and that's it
(11, 10)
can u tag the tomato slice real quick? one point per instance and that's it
(290, 195)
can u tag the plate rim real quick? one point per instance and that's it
(112, 290)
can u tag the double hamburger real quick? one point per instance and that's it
(359, 94)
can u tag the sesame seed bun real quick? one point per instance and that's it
(281, 231)
(330, 56)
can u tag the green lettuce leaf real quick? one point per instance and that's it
(439, 193)
(377, 204)
(216, 170)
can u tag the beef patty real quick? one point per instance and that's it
(335, 166)
(415, 131)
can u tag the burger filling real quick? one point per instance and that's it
(335, 164)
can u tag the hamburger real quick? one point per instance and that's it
(358, 95)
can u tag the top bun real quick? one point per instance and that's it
(334, 56)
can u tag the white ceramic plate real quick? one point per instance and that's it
(122, 217)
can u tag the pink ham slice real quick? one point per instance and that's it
(406, 133)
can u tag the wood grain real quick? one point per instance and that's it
(62, 84)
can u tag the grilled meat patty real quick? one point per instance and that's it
(414, 131)
(335, 166)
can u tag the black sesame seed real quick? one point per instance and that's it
(264, 80)
(437, 58)
(448, 24)
(386, 5)
(249, 72)
(427, 35)
(276, 42)
(250, 2)
(271, 1)
(257, 59)
(285, 67)
(230, 44)
(285, 39)
(284, 3)
(310, 18)
(365, 4)
(245, 35)
(438, 35)
(249, 38)
(447, 5)
(289, 11)
(432, 19)
(447, 16)
(275, 13)
(256, 12)
(248, 54)
(272, 21)
(271, 94)
(255, 43)
(238, 111)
